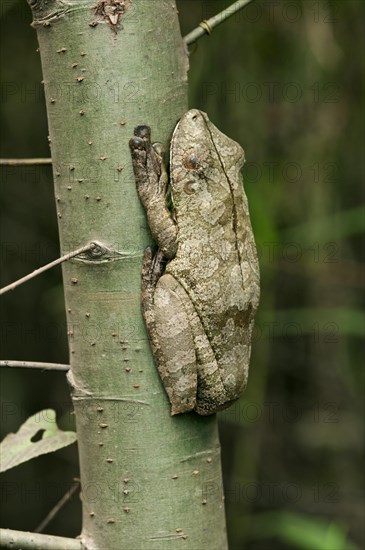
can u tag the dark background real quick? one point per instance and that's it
(284, 79)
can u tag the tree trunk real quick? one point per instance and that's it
(149, 480)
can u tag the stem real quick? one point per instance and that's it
(34, 365)
(66, 497)
(24, 162)
(30, 541)
(207, 26)
(44, 268)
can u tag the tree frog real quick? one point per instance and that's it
(200, 291)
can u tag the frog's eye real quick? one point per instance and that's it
(190, 161)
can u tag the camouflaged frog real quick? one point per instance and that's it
(200, 291)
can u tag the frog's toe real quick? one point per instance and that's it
(184, 406)
(143, 132)
(159, 149)
(139, 156)
(136, 143)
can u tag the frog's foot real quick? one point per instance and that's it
(148, 164)
(139, 161)
(163, 180)
(152, 182)
(144, 132)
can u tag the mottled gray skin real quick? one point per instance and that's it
(200, 310)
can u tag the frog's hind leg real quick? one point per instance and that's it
(152, 270)
(177, 367)
(169, 333)
(182, 351)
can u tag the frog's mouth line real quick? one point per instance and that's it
(234, 209)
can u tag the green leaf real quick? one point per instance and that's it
(37, 436)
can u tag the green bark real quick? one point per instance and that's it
(149, 481)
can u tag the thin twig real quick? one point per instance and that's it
(66, 497)
(30, 541)
(24, 162)
(207, 26)
(44, 268)
(34, 365)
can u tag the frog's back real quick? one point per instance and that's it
(216, 261)
(219, 271)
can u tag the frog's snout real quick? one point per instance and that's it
(194, 115)
(194, 122)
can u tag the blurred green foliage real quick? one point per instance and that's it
(301, 532)
(285, 79)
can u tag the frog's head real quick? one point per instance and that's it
(202, 158)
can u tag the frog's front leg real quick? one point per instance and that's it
(152, 180)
